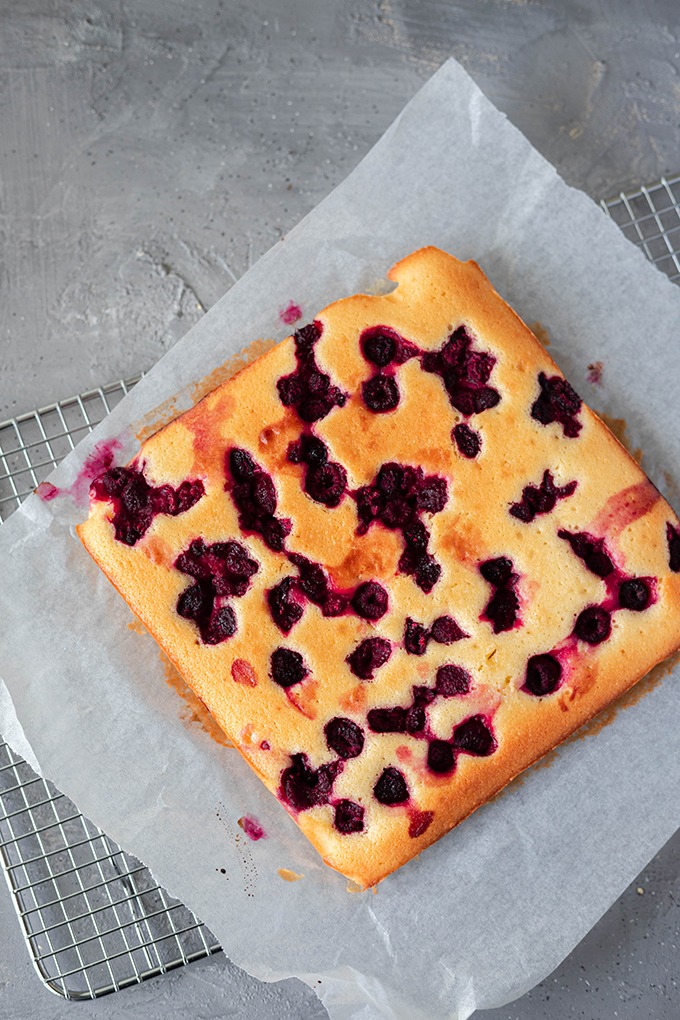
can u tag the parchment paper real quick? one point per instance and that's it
(495, 906)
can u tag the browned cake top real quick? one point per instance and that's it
(397, 558)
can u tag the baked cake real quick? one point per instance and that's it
(398, 559)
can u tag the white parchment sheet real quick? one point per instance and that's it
(496, 905)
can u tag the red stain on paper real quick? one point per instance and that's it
(290, 314)
(595, 373)
(47, 491)
(252, 828)
(99, 461)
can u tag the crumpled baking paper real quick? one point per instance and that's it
(492, 908)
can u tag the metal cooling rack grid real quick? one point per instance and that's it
(94, 919)
(93, 916)
(650, 217)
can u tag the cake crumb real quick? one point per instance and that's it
(541, 333)
(640, 891)
(289, 876)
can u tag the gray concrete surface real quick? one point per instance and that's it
(151, 150)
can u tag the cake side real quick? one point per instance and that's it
(377, 761)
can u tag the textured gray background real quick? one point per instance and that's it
(151, 150)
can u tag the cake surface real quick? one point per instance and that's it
(397, 558)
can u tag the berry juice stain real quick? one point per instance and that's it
(290, 314)
(96, 463)
(252, 828)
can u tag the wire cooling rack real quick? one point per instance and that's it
(93, 916)
(650, 217)
(94, 919)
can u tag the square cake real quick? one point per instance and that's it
(397, 558)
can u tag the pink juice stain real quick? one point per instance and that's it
(292, 313)
(252, 828)
(99, 461)
(47, 491)
(625, 507)
(595, 373)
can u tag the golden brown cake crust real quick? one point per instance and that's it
(547, 587)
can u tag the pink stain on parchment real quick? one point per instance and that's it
(290, 314)
(99, 461)
(595, 373)
(252, 828)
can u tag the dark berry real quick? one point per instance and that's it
(326, 484)
(306, 336)
(440, 757)
(220, 626)
(673, 539)
(470, 402)
(591, 550)
(540, 500)
(236, 559)
(284, 607)
(543, 674)
(254, 494)
(313, 579)
(502, 610)
(390, 480)
(372, 653)
(464, 373)
(497, 572)
(287, 667)
(370, 601)
(593, 625)
(391, 788)
(416, 535)
(387, 720)
(415, 719)
(634, 594)
(264, 494)
(313, 451)
(308, 389)
(467, 440)
(381, 393)
(274, 532)
(445, 631)
(415, 637)
(427, 573)
(474, 737)
(378, 348)
(452, 680)
(399, 494)
(557, 402)
(344, 737)
(241, 465)
(370, 505)
(304, 787)
(221, 569)
(335, 604)
(478, 368)
(348, 817)
(290, 390)
(136, 503)
(396, 514)
(432, 495)
(194, 602)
